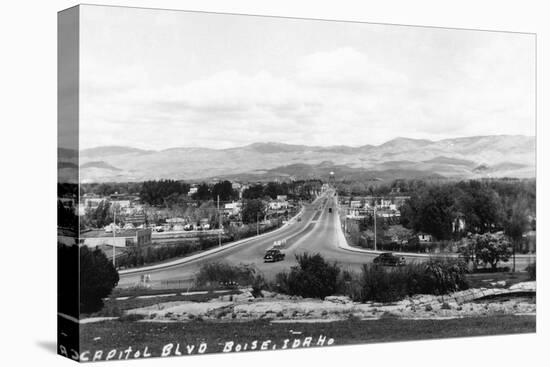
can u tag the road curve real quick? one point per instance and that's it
(319, 231)
(249, 252)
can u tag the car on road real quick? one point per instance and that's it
(330, 210)
(273, 255)
(389, 259)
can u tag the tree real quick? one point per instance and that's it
(515, 225)
(480, 205)
(487, 248)
(98, 277)
(431, 210)
(100, 216)
(252, 211)
(224, 190)
(254, 192)
(203, 192)
(272, 189)
(163, 192)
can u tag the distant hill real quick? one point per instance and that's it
(111, 151)
(469, 157)
(99, 164)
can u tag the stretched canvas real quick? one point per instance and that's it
(232, 183)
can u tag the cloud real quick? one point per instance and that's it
(347, 68)
(330, 97)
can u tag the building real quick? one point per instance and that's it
(92, 201)
(277, 205)
(424, 237)
(122, 238)
(136, 218)
(233, 208)
(355, 204)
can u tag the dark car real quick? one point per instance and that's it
(389, 259)
(273, 255)
(330, 210)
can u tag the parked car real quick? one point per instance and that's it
(389, 259)
(273, 255)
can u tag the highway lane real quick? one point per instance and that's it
(323, 239)
(251, 252)
(317, 232)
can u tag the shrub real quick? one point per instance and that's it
(381, 285)
(312, 278)
(444, 276)
(258, 284)
(435, 277)
(532, 271)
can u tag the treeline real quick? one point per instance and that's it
(484, 205)
(110, 188)
(162, 192)
(169, 193)
(303, 189)
(360, 188)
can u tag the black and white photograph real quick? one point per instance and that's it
(233, 183)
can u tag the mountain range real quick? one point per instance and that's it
(468, 157)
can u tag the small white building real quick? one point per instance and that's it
(232, 208)
(424, 237)
(127, 238)
(355, 204)
(277, 205)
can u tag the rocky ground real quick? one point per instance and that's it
(518, 299)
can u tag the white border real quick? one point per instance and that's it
(29, 176)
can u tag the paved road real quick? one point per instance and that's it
(316, 232)
(251, 252)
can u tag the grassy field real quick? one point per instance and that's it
(215, 336)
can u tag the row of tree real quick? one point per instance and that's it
(485, 206)
(303, 189)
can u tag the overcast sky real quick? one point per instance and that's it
(159, 79)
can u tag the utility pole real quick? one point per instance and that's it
(114, 235)
(219, 224)
(375, 225)
(257, 223)
(514, 255)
